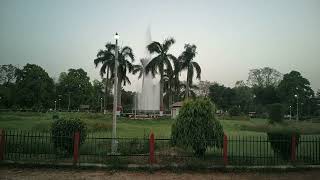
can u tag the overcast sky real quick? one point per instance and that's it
(232, 36)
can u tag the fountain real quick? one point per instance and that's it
(149, 97)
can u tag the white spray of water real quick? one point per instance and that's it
(149, 97)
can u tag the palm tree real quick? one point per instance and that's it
(160, 62)
(188, 64)
(183, 88)
(107, 59)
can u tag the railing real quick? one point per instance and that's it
(36, 147)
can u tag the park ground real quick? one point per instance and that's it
(100, 124)
(11, 173)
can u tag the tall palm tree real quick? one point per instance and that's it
(161, 62)
(107, 59)
(188, 64)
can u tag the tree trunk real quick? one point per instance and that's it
(161, 93)
(119, 92)
(106, 91)
(187, 88)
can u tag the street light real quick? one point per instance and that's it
(101, 104)
(290, 112)
(115, 95)
(297, 97)
(55, 105)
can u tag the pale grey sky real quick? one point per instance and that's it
(232, 36)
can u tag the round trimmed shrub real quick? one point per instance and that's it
(63, 130)
(196, 127)
(281, 143)
(276, 113)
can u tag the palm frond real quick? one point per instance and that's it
(154, 47)
(168, 43)
(198, 69)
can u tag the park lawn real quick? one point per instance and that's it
(100, 124)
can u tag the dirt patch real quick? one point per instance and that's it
(69, 174)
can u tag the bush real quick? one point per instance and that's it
(55, 116)
(281, 143)
(234, 111)
(196, 127)
(62, 132)
(276, 113)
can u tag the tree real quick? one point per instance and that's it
(292, 84)
(7, 73)
(222, 96)
(188, 64)
(34, 87)
(160, 62)
(196, 127)
(106, 58)
(264, 77)
(98, 91)
(74, 88)
(125, 59)
(243, 96)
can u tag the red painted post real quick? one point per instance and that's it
(293, 148)
(225, 150)
(151, 148)
(76, 147)
(2, 143)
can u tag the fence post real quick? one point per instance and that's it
(151, 148)
(225, 149)
(76, 147)
(2, 143)
(293, 148)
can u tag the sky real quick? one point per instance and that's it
(232, 37)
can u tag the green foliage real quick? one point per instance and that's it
(276, 113)
(35, 89)
(281, 142)
(62, 132)
(234, 111)
(196, 127)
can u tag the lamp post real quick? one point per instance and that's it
(297, 97)
(55, 105)
(115, 95)
(290, 112)
(101, 105)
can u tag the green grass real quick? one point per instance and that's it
(102, 124)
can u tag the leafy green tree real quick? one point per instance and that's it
(264, 77)
(223, 97)
(74, 88)
(35, 89)
(293, 84)
(160, 62)
(243, 96)
(196, 127)
(188, 64)
(98, 94)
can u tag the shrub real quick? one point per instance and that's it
(196, 127)
(234, 111)
(62, 132)
(281, 143)
(275, 113)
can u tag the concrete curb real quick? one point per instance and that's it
(158, 166)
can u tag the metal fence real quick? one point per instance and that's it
(36, 147)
